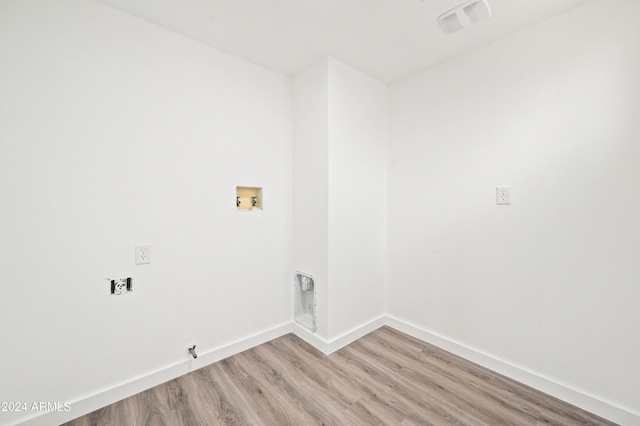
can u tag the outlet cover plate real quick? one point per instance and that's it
(143, 254)
(503, 195)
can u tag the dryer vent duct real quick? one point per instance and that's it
(464, 15)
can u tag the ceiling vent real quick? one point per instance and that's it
(464, 15)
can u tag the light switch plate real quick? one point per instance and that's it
(143, 254)
(503, 195)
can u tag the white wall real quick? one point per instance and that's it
(115, 132)
(310, 183)
(339, 196)
(550, 283)
(358, 134)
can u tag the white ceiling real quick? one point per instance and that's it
(387, 39)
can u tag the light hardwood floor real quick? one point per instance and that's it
(384, 378)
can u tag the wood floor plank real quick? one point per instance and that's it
(458, 390)
(458, 393)
(281, 390)
(230, 406)
(312, 369)
(384, 378)
(303, 388)
(500, 388)
(432, 407)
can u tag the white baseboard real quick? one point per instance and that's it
(565, 393)
(108, 396)
(102, 398)
(329, 346)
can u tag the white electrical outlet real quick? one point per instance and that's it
(503, 195)
(143, 254)
(121, 286)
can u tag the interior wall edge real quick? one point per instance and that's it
(88, 403)
(328, 347)
(564, 392)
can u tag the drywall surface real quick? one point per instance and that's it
(339, 195)
(310, 183)
(358, 134)
(114, 132)
(550, 282)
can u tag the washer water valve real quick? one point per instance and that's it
(192, 352)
